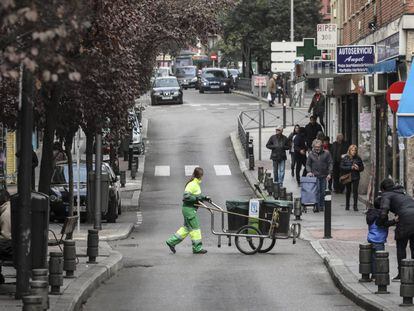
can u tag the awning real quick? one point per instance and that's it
(384, 66)
(405, 113)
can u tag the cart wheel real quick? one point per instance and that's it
(248, 245)
(265, 248)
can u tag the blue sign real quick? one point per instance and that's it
(354, 58)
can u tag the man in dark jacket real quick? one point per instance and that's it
(299, 148)
(278, 143)
(318, 106)
(319, 164)
(311, 131)
(395, 200)
(339, 148)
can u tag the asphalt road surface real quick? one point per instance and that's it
(290, 277)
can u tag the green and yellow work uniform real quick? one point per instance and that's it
(192, 194)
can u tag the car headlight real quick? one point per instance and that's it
(223, 83)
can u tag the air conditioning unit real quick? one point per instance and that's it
(376, 84)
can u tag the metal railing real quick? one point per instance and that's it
(244, 136)
(244, 84)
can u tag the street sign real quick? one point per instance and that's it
(213, 56)
(394, 95)
(260, 81)
(308, 50)
(326, 36)
(354, 58)
(284, 55)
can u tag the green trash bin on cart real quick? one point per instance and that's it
(266, 211)
(240, 207)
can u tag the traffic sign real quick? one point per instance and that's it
(260, 81)
(326, 36)
(213, 56)
(394, 95)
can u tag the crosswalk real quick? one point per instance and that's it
(219, 170)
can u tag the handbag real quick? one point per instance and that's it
(345, 179)
(269, 96)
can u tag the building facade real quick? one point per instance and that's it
(363, 114)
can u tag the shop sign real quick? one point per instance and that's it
(326, 36)
(388, 47)
(352, 59)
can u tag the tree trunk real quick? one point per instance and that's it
(68, 151)
(250, 63)
(244, 68)
(47, 162)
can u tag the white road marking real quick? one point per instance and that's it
(233, 104)
(214, 104)
(189, 169)
(222, 108)
(162, 170)
(253, 104)
(201, 109)
(195, 105)
(222, 170)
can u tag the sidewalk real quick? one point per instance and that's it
(88, 278)
(349, 229)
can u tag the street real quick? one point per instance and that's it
(291, 277)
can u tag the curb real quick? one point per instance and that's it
(80, 290)
(250, 95)
(340, 274)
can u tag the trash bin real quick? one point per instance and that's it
(240, 207)
(266, 212)
(40, 209)
(104, 193)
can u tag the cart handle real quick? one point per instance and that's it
(219, 209)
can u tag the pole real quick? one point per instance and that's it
(23, 258)
(292, 38)
(328, 215)
(78, 178)
(98, 171)
(394, 146)
(260, 122)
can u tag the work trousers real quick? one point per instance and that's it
(191, 227)
(300, 161)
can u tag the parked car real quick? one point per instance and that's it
(215, 79)
(166, 90)
(59, 193)
(163, 72)
(187, 76)
(136, 141)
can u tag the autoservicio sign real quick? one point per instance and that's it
(354, 58)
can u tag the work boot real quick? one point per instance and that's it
(172, 248)
(397, 278)
(202, 252)
(355, 208)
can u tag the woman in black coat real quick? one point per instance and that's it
(292, 148)
(299, 148)
(352, 164)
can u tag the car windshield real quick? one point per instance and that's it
(163, 72)
(214, 74)
(61, 174)
(166, 83)
(186, 71)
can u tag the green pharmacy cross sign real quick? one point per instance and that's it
(309, 50)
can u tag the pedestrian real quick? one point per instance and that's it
(326, 145)
(59, 155)
(192, 195)
(299, 145)
(6, 247)
(395, 200)
(312, 129)
(351, 166)
(292, 148)
(319, 164)
(278, 143)
(377, 235)
(339, 148)
(272, 90)
(280, 89)
(317, 106)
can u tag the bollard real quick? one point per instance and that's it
(282, 193)
(289, 196)
(251, 162)
(32, 303)
(40, 275)
(276, 190)
(365, 262)
(69, 258)
(133, 170)
(122, 178)
(55, 272)
(382, 275)
(40, 288)
(130, 155)
(93, 244)
(269, 186)
(260, 174)
(328, 215)
(297, 209)
(266, 179)
(407, 282)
